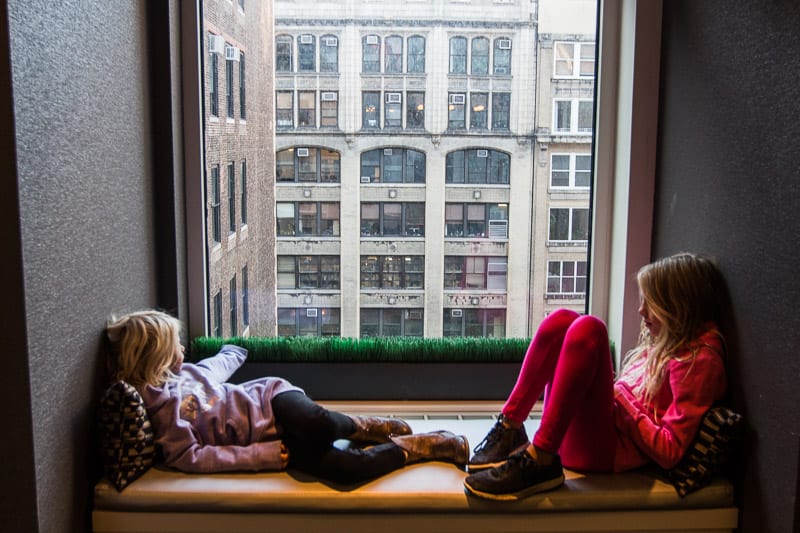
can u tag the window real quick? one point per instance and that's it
(388, 322)
(245, 299)
(329, 54)
(216, 231)
(474, 220)
(306, 53)
(475, 273)
(573, 116)
(229, 87)
(478, 166)
(242, 95)
(243, 193)
(393, 55)
(415, 63)
(573, 60)
(572, 171)
(284, 109)
(474, 323)
(392, 219)
(392, 271)
(502, 56)
(456, 111)
(231, 198)
(501, 110)
(213, 84)
(393, 113)
(415, 110)
(372, 110)
(232, 296)
(329, 109)
(479, 111)
(458, 55)
(569, 224)
(283, 53)
(307, 219)
(393, 165)
(308, 272)
(371, 54)
(308, 322)
(566, 278)
(480, 56)
(307, 164)
(217, 323)
(307, 109)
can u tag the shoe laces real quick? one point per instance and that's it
(520, 460)
(491, 438)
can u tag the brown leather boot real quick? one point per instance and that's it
(378, 429)
(436, 445)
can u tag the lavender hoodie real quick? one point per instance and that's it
(204, 424)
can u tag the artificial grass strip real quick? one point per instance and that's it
(372, 349)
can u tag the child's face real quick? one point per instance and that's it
(652, 323)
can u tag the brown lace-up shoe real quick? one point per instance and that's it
(378, 429)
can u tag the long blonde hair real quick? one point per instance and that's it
(683, 292)
(143, 347)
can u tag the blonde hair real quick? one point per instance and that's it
(143, 347)
(683, 292)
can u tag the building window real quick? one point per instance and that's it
(371, 54)
(307, 109)
(213, 85)
(216, 232)
(229, 87)
(416, 55)
(478, 166)
(329, 109)
(480, 56)
(569, 224)
(284, 109)
(479, 111)
(217, 314)
(501, 110)
(474, 323)
(306, 53)
(307, 164)
(244, 193)
(456, 111)
(392, 271)
(232, 298)
(329, 54)
(308, 272)
(283, 53)
(231, 198)
(242, 93)
(573, 116)
(574, 60)
(458, 55)
(475, 273)
(476, 220)
(307, 219)
(393, 55)
(308, 322)
(502, 56)
(389, 322)
(573, 171)
(372, 110)
(393, 165)
(566, 278)
(245, 299)
(415, 110)
(393, 111)
(393, 219)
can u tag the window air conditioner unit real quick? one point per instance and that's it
(414, 314)
(498, 229)
(311, 313)
(365, 179)
(483, 153)
(306, 39)
(302, 152)
(231, 53)
(457, 99)
(504, 44)
(393, 98)
(216, 44)
(456, 313)
(387, 151)
(328, 97)
(372, 39)
(331, 41)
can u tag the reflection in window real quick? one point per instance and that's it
(478, 166)
(502, 56)
(308, 272)
(394, 219)
(569, 224)
(566, 278)
(307, 164)
(416, 55)
(480, 56)
(458, 55)
(283, 53)
(474, 220)
(574, 60)
(479, 110)
(393, 165)
(371, 54)
(392, 271)
(393, 55)
(475, 273)
(307, 219)
(474, 323)
(501, 110)
(329, 54)
(415, 110)
(390, 322)
(306, 53)
(308, 322)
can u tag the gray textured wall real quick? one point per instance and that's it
(728, 185)
(79, 75)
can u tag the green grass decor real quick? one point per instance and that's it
(366, 350)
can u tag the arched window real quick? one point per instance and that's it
(415, 62)
(458, 55)
(329, 53)
(307, 164)
(393, 55)
(480, 56)
(393, 165)
(283, 53)
(502, 56)
(476, 166)
(371, 54)
(307, 53)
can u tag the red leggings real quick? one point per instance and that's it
(570, 355)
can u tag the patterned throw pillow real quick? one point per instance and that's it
(126, 437)
(709, 451)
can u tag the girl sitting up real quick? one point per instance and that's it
(204, 424)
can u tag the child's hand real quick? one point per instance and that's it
(284, 456)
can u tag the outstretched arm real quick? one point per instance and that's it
(225, 363)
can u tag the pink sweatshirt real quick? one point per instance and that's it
(663, 429)
(204, 424)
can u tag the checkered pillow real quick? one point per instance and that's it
(126, 436)
(709, 452)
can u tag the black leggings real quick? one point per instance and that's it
(309, 431)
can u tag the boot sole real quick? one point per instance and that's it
(544, 486)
